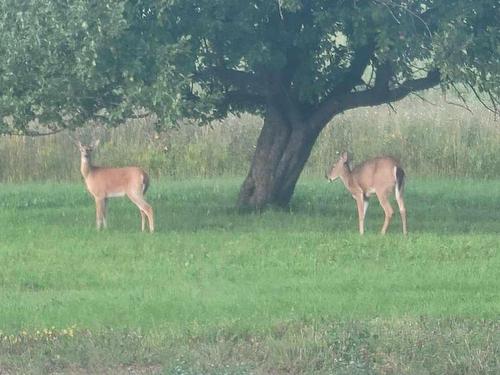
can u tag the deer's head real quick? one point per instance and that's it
(86, 150)
(340, 167)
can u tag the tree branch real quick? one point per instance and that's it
(352, 77)
(422, 17)
(375, 96)
(478, 97)
(33, 133)
(238, 78)
(379, 94)
(383, 77)
(240, 98)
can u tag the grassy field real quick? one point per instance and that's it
(217, 292)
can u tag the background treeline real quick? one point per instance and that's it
(431, 140)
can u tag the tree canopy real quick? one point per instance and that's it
(65, 62)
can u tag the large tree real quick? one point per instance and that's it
(297, 63)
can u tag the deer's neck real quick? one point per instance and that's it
(85, 167)
(349, 181)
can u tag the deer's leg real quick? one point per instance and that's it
(384, 202)
(143, 219)
(361, 213)
(148, 210)
(104, 208)
(145, 209)
(402, 211)
(99, 206)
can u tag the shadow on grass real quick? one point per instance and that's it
(443, 207)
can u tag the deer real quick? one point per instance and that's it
(381, 175)
(104, 183)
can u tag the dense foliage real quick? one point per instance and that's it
(65, 62)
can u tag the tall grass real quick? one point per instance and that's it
(431, 140)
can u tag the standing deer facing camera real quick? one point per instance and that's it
(382, 176)
(104, 183)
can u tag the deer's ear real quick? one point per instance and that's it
(344, 157)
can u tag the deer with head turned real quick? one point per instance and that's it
(104, 183)
(380, 175)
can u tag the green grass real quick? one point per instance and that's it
(215, 291)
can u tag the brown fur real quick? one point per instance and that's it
(104, 183)
(380, 175)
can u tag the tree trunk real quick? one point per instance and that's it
(282, 150)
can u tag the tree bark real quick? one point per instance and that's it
(282, 150)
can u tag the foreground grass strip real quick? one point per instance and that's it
(395, 346)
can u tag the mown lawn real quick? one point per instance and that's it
(215, 291)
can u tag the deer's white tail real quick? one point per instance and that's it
(145, 183)
(399, 175)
